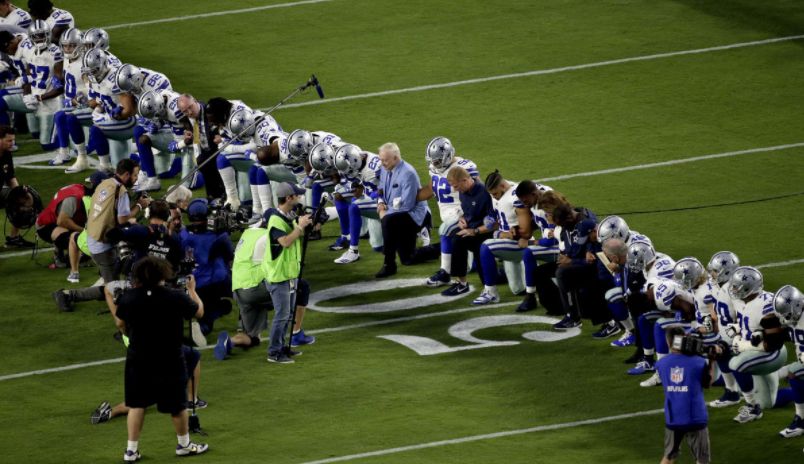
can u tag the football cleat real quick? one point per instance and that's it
(748, 413)
(728, 398)
(651, 381)
(642, 367)
(438, 279)
(101, 414)
(349, 256)
(795, 429)
(486, 298)
(627, 339)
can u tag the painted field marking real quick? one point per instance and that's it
(212, 14)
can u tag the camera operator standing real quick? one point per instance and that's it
(110, 208)
(155, 373)
(212, 252)
(684, 375)
(282, 264)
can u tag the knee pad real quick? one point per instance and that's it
(62, 242)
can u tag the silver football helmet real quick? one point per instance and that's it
(439, 154)
(95, 65)
(745, 281)
(688, 272)
(789, 303)
(129, 78)
(722, 266)
(300, 142)
(151, 106)
(612, 227)
(349, 160)
(96, 38)
(322, 159)
(240, 120)
(39, 33)
(70, 42)
(640, 254)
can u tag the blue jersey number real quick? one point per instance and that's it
(442, 190)
(69, 86)
(503, 222)
(373, 164)
(39, 75)
(723, 313)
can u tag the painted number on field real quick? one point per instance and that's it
(464, 331)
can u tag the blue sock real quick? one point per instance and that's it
(488, 266)
(723, 364)
(784, 396)
(75, 128)
(745, 381)
(342, 207)
(660, 340)
(618, 309)
(446, 244)
(646, 332)
(62, 129)
(145, 151)
(97, 142)
(797, 387)
(316, 195)
(175, 168)
(252, 174)
(222, 162)
(355, 224)
(4, 118)
(530, 267)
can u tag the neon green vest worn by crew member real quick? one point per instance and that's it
(247, 269)
(281, 264)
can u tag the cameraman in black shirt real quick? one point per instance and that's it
(153, 317)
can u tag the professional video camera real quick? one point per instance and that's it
(692, 344)
(23, 205)
(186, 267)
(222, 219)
(319, 215)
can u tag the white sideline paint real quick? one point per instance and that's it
(22, 253)
(488, 436)
(209, 347)
(540, 72)
(676, 161)
(781, 263)
(214, 13)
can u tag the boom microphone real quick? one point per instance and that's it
(314, 81)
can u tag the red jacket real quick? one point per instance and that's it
(48, 215)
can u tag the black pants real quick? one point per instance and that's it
(546, 288)
(573, 280)
(461, 246)
(215, 305)
(399, 233)
(212, 178)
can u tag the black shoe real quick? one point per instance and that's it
(63, 300)
(314, 235)
(385, 271)
(567, 323)
(528, 304)
(18, 242)
(634, 358)
(607, 330)
(289, 352)
(456, 289)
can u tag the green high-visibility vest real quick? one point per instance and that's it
(246, 272)
(281, 264)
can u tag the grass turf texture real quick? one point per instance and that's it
(353, 392)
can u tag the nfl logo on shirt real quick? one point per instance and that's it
(677, 374)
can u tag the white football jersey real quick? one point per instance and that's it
(265, 131)
(284, 155)
(797, 335)
(59, 17)
(539, 216)
(106, 91)
(505, 210)
(704, 299)
(41, 70)
(153, 81)
(449, 203)
(724, 306)
(635, 236)
(20, 57)
(74, 84)
(327, 137)
(17, 17)
(666, 290)
(750, 314)
(369, 176)
(662, 268)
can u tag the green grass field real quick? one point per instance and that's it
(354, 393)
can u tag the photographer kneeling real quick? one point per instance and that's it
(212, 252)
(153, 317)
(684, 373)
(282, 264)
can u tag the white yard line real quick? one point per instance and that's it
(540, 72)
(27, 252)
(212, 14)
(488, 436)
(209, 347)
(792, 262)
(675, 161)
